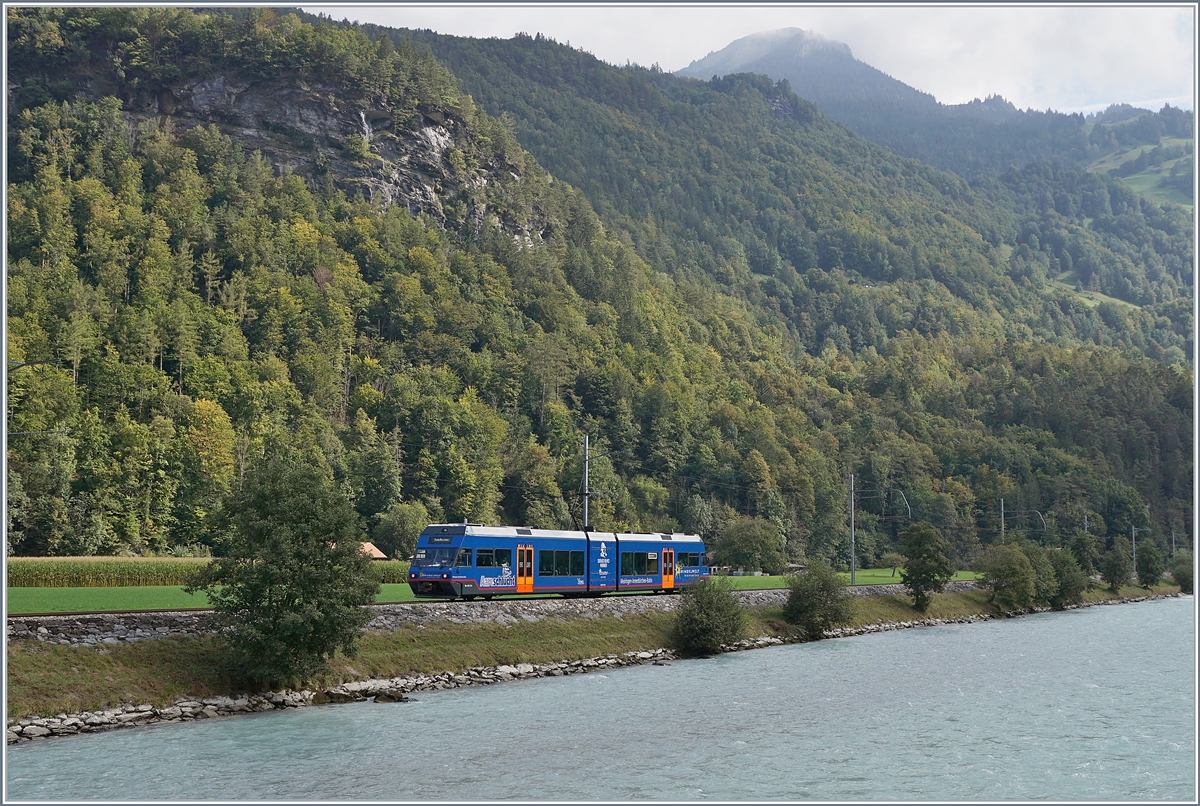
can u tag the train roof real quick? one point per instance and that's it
(478, 530)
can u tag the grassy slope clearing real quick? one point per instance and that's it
(164, 597)
(50, 679)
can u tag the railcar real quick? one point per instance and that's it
(463, 560)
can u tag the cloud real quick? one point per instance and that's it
(1065, 58)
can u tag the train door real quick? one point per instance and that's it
(668, 569)
(524, 569)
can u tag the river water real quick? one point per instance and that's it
(1090, 704)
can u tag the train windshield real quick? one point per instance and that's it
(438, 556)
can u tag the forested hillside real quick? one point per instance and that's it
(737, 299)
(740, 181)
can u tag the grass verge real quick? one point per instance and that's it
(47, 679)
(24, 600)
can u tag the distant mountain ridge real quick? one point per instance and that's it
(829, 69)
(980, 137)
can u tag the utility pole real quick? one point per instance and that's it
(852, 529)
(585, 482)
(1001, 520)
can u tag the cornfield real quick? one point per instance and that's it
(121, 572)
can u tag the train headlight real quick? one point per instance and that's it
(445, 576)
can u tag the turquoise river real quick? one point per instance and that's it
(1090, 704)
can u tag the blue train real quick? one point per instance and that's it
(460, 560)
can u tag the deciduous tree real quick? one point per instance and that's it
(291, 582)
(928, 568)
(1117, 565)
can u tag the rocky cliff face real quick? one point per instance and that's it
(308, 130)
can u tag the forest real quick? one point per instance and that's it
(739, 301)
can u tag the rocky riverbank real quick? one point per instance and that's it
(397, 689)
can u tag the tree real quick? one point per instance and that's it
(1117, 566)
(709, 615)
(928, 568)
(1150, 564)
(817, 600)
(751, 543)
(1045, 582)
(1181, 569)
(396, 531)
(1085, 548)
(1072, 582)
(893, 560)
(292, 583)
(1007, 571)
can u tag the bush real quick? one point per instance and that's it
(1181, 570)
(709, 615)
(1007, 571)
(928, 568)
(1072, 582)
(293, 581)
(817, 600)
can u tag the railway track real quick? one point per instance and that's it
(93, 613)
(859, 590)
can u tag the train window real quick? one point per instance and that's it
(560, 563)
(493, 558)
(637, 563)
(688, 559)
(438, 556)
(463, 560)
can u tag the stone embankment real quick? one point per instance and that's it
(397, 689)
(112, 628)
(390, 690)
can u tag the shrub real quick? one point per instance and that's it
(1072, 582)
(928, 568)
(1007, 571)
(817, 600)
(709, 615)
(1181, 570)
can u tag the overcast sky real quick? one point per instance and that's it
(1073, 58)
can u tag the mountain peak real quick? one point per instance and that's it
(741, 53)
